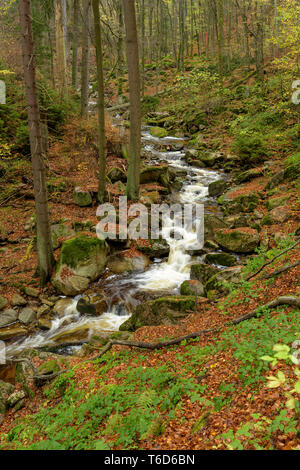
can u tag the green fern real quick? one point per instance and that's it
(146, 399)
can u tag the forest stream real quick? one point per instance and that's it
(163, 275)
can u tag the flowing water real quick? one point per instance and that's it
(162, 276)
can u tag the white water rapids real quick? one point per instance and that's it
(161, 276)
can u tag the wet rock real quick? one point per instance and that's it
(220, 259)
(61, 306)
(211, 159)
(154, 248)
(203, 272)
(120, 263)
(17, 300)
(13, 331)
(85, 308)
(82, 198)
(97, 302)
(239, 240)
(73, 335)
(7, 317)
(192, 287)
(43, 310)
(32, 292)
(116, 174)
(163, 311)
(81, 260)
(3, 302)
(27, 316)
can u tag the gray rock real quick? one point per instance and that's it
(15, 397)
(7, 317)
(17, 300)
(27, 315)
(32, 291)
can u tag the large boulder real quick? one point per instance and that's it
(203, 272)
(212, 223)
(154, 248)
(127, 262)
(220, 259)
(156, 174)
(162, 311)
(234, 202)
(81, 261)
(239, 240)
(216, 188)
(192, 287)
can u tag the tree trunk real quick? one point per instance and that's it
(101, 113)
(44, 243)
(75, 42)
(135, 99)
(85, 59)
(60, 46)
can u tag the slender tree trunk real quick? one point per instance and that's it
(75, 42)
(60, 46)
(135, 99)
(85, 59)
(101, 113)
(44, 243)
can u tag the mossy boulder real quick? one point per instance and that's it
(216, 188)
(240, 203)
(219, 282)
(192, 287)
(276, 202)
(154, 248)
(162, 311)
(82, 259)
(158, 132)
(49, 367)
(156, 174)
(248, 175)
(239, 240)
(203, 272)
(82, 198)
(116, 174)
(220, 259)
(212, 223)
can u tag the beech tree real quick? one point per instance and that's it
(133, 181)
(44, 243)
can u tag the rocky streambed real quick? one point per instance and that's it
(156, 283)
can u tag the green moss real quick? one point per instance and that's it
(158, 132)
(78, 249)
(50, 367)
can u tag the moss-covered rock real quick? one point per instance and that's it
(81, 260)
(203, 272)
(156, 174)
(49, 367)
(248, 175)
(60, 231)
(240, 203)
(158, 132)
(154, 248)
(276, 202)
(220, 259)
(216, 188)
(239, 240)
(82, 198)
(162, 311)
(3, 302)
(219, 282)
(192, 287)
(212, 223)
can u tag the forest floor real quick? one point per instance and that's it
(208, 393)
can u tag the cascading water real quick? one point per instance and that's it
(161, 276)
